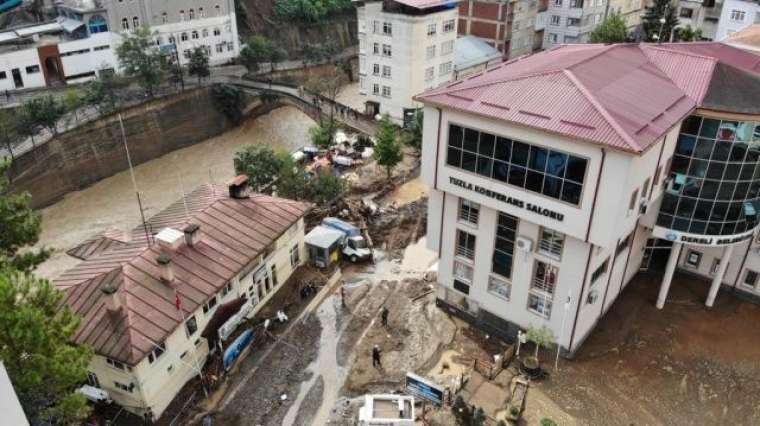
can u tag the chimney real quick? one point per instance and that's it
(238, 187)
(169, 240)
(167, 269)
(192, 234)
(112, 297)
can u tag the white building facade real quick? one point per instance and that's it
(540, 219)
(735, 16)
(405, 48)
(572, 21)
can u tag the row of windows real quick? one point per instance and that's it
(386, 90)
(443, 69)
(546, 171)
(101, 26)
(447, 27)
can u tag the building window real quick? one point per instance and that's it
(461, 287)
(555, 19)
(430, 52)
(431, 30)
(693, 258)
(386, 91)
(376, 27)
(201, 13)
(172, 40)
(465, 245)
(33, 69)
(598, 272)
(273, 271)
(632, 200)
(218, 10)
(191, 326)
(194, 35)
(444, 68)
(504, 245)
(375, 69)
(468, 211)
(387, 28)
(750, 279)
(542, 289)
(124, 24)
(191, 14)
(123, 387)
(545, 171)
(181, 15)
(186, 53)
(209, 305)
(645, 188)
(220, 48)
(447, 47)
(164, 18)
(623, 245)
(375, 89)
(204, 33)
(97, 24)
(499, 287)
(387, 50)
(135, 22)
(92, 379)
(226, 289)
(463, 274)
(550, 242)
(230, 47)
(558, 3)
(449, 26)
(553, 38)
(3, 75)
(576, 3)
(429, 73)
(157, 352)
(217, 31)
(115, 364)
(737, 15)
(685, 12)
(183, 37)
(386, 71)
(376, 48)
(715, 266)
(295, 256)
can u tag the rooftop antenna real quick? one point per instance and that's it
(134, 181)
(184, 199)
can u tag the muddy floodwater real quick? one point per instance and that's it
(111, 203)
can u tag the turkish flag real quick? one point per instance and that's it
(177, 302)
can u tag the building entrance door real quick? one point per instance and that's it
(656, 255)
(18, 81)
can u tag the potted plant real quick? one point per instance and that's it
(540, 337)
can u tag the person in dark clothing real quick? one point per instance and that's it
(384, 316)
(376, 356)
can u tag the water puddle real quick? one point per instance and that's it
(410, 191)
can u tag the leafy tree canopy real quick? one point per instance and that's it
(103, 92)
(387, 147)
(611, 30)
(323, 133)
(310, 10)
(139, 58)
(651, 21)
(198, 65)
(43, 111)
(413, 133)
(257, 50)
(688, 33)
(260, 163)
(230, 100)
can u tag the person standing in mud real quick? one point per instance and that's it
(384, 316)
(376, 356)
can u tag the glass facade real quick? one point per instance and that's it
(714, 184)
(545, 171)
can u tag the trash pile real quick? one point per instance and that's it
(347, 151)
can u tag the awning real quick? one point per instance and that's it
(70, 25)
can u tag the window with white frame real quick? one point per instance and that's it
(376, 48)
(295, 256)
(750, 279)
(465, 245)
(429, 73)
(209, 305)
(122, 386)
(550, 242)
(375, 69)
(220, 48)
(737, 15)
(468, 211)
(430, 52)
(444, 68)
(183, 37)
(431, 29)
(387, 50)
(135, 22)
(181, 15)
(386, 91)
(157, 352)
(376, 27)
(218, 10)
(553, 38)
(387, 28)
(504, 245)
(693, 258)
(449, 26)
(204, 33)
(164, 18)
(375, 89)
(124, 24)
(191, 14)
(191, 326)
(115, 364)
(194, 35)
(201, 13)
(217, 31)
(447, 47)
(226, 289)
(362, 82)
(462, 273)
(558, 3)
(599, 271)
(273, 272)
(386, 71)
(92, 379)
(499, 287)
(555, 19)
(542, 287)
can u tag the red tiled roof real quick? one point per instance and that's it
(233, 233)
(625, 95)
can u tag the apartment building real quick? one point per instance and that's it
(82, 41)
(735, 16)
(572, 21)
(556, 177)
(515, 27)
(630, 10)
(146, 302)
(405, 48)
(701, 14)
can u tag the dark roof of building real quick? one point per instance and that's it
(234, 232)
(733, 89)
(624, 95)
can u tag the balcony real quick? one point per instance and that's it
(541, 18)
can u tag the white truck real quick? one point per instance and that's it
(354, 246)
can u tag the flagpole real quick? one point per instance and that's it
(178, 304)
(134, 181)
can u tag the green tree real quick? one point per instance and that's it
(387, 148)
(198, 65)
(44, 111)
(325, 187)
(10, 136)
(35, 335)
(688, 33)
(462, 412)
(229, 100)
(103, 93)
(276, 54)
(294, 181)
(19, 227)
(260, 163)
(139, 58)
(541, 337)
(413, 133)
(72, 101)
(323, 133)
(319, 52)
(611, 30)
(257, 50)
(654, 30)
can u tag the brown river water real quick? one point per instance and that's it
(111, 203)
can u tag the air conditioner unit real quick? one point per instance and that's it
(592, 297)
(524, 244)
(643, 206)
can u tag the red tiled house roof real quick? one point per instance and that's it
(233, 233)
(625, 96)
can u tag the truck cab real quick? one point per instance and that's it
(354, 245)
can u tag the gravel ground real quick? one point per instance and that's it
(310, 404)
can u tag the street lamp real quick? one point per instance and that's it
(662, 25)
